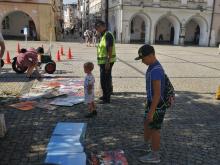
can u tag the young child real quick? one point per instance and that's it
(40, 52)
(89, 89)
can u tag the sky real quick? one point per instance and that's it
(69, 1)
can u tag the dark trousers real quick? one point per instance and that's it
(106, 81)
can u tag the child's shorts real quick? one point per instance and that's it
(158, 118)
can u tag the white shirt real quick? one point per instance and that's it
(89, 80)
(1, 37)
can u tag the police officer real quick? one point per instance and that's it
(106, 56)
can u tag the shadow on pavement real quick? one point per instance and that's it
(190, 134)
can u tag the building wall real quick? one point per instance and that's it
(16, 26)
(216, 25)
(41, 13)
(177, 17)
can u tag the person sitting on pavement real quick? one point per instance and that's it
(2, 48)
(29, 59)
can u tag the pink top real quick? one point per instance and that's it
(27, 59)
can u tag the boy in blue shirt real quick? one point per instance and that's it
(154, 114)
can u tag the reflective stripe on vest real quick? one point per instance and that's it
(102, 51)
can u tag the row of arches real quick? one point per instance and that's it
(168, 30)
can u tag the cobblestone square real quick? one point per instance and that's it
(190, 133)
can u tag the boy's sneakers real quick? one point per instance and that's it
(91, 114)
(145, 147)
(150, 158)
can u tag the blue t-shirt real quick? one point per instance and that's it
(154, 72)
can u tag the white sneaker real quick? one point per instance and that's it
(142, 147)
(150, 158)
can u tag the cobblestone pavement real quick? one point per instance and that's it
(190, 134)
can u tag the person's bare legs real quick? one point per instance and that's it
(30, 70)
(0, 65)
(37, 71)
(152, 136)
(90, 107)
(93, 106)
(147, 132)
(155, 140)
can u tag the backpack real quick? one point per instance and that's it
(169, 93)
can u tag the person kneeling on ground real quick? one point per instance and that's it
(154, 112)
(29, 58)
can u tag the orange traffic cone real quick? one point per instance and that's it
(8, 60)
(61, 50)
(18, 48)
(58, 56)
(69, 54)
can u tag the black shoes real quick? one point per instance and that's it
(101, 98)
(91, 114)
(104, 102)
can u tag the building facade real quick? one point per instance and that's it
(176, 22)
(71, 16)
(215, 33)
(84, 12)
(95, 11)
(42, 18)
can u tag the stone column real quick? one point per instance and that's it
(213, 39)
(156, 3)
(182, 34)
(210, 3)
(184, 2)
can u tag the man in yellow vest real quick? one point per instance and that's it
(106, 56)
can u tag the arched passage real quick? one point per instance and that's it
(113, 26)
(13, 25)
(139, 29)
(196, 30)
(167, 30)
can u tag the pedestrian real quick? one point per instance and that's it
(80, 32)
(106, 56)
(89, 89)
(86, 35)
(2, 47)
(90, 37)
(94, 38)
(154, 113)
(29, 58)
